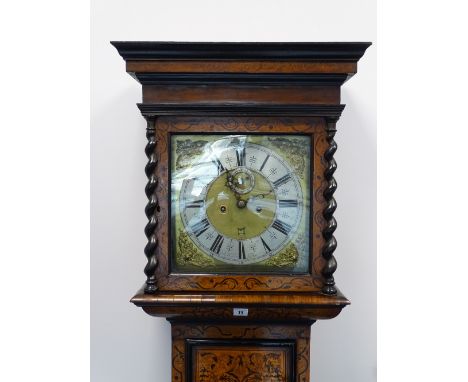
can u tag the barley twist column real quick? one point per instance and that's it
(327, 233)
(152, 207)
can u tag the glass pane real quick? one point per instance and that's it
(240, 203)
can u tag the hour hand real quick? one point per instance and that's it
(229, 180)
(230, 183)
(261, 195)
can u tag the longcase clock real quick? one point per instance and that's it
(240, 205)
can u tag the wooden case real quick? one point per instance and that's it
(241, 88)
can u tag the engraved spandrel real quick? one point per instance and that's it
(189, 254)
(294, 151)
(187, 151)
(286, 258)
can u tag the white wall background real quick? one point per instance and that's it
(128, 345)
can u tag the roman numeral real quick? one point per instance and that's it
(218, 165)
(285, 203)
(200, 227)
(265, 245)
(217, 243)
(282, 227)
(240, 155)
(194, 204)
(241, 250)
(284, 179)
(264, 162)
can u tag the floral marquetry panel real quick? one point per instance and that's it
(242, 363)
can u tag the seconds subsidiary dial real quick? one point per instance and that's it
(240, 202)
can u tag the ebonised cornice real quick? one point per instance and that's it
(250, 79)
(320, 51)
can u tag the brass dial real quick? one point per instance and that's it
(240, 200)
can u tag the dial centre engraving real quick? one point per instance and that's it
(247, 211)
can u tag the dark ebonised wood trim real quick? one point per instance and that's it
(330, 241)
(149, 50)
(318, 110)
(152, 207)
(251, 79)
